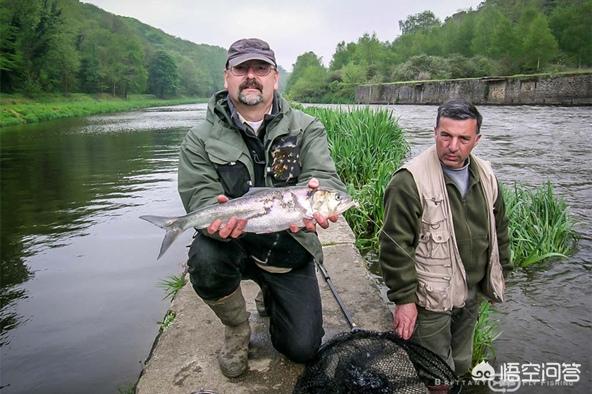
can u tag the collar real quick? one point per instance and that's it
(237, 118)
(473, 173)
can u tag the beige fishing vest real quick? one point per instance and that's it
(440, 272)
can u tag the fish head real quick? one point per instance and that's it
(329, 202)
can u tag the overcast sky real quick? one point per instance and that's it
(291, 27)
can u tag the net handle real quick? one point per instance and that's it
(345, 311)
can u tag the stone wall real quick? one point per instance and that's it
(564, 89)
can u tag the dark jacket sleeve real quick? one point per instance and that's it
(399, 237)
(503, 238)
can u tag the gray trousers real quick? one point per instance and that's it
(450, 334)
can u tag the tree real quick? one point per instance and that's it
(344, 53)
(539, 45)
(193, 81)
(423, 21)
(496, 38)
(308, 81)
(571, 26)
(162, 77)
(304, 61)
(88, 73)
(8, 56)
(122, 65)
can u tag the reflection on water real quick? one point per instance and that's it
(79, 271)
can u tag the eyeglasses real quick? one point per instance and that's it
(259, 69)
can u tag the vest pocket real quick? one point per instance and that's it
(232, 172)
(433, 294)
(433, 242)
(434, 234)
(235, 178)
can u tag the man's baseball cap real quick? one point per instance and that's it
(249, 49)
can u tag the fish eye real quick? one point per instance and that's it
(338, 197)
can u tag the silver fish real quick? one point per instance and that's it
(267, 210)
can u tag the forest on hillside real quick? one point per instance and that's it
(64, 46)
(500, 37)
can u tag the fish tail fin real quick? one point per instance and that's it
(174, 227)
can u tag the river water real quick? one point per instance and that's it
(79, 292)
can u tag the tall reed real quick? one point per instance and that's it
(539, 224)
(485, 333)
(367, 146)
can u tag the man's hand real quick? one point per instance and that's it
(233, 228)
(310, 224)
(404, 318)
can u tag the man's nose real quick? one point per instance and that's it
(453, 146)
(251, 72)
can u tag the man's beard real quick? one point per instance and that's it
(250, 99)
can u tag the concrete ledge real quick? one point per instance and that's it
(537, 89)
(183, 359)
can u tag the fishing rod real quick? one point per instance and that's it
(343, 308)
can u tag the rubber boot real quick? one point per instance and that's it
(232, 311)
(260, 305)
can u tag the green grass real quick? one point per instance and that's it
(129, 388)
(17, 109)
(539, 225)
(168, 320)
(540, 228)
(485, 333)
(172, 285)
(367, 146)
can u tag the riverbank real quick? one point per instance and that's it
(183, 358)
(18, 109)
(566, 89)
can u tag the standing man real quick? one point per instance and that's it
(251, 137)
(445, 239)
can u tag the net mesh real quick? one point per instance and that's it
(372, 362)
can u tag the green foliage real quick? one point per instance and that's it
(485, 333)
(172, 285)
(129, 388)
(539, 46)
(162, 79)
(501, 37)
(367, 146)
(168, 320)
(308, 82)
(539, 225)
(17, 110)
(67, 46)
(423, 21)
(571, 26)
